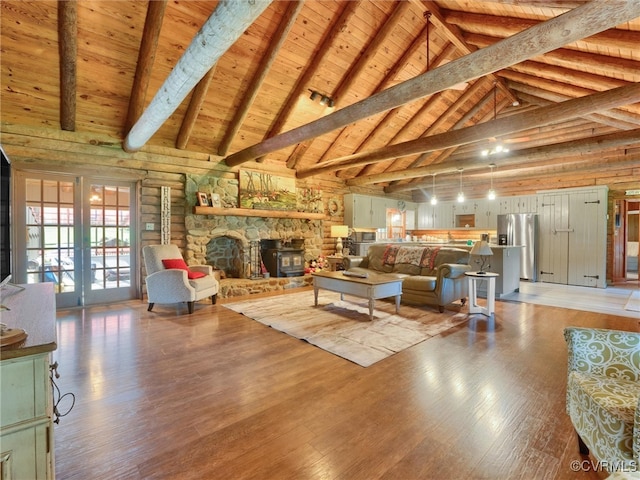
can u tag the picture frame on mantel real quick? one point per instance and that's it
(215, 200)
(203, 199)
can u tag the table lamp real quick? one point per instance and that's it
(339, 231)
(481, 249)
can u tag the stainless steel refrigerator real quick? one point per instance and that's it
(521, 229)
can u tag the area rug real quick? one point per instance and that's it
(633, 303)
(343, 328)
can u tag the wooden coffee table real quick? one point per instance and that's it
(373, 287)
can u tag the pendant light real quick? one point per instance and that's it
(460, 192)
(434, 199)
(492, 193)
(498, 148)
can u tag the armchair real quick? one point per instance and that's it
(172, 281)
(603, 395)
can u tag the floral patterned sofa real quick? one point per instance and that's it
(603, 395)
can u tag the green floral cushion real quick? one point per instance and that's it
(603, 393)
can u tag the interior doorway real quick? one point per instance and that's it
(632, 238)
(80, 235)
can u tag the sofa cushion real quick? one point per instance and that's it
(420, 282)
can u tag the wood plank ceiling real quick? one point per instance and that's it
(414, 88)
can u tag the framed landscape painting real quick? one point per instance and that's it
(259, 190)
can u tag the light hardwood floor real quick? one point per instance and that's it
(215, 395)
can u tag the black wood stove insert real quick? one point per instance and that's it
(281, 260)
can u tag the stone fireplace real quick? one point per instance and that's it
(228, 254)
(225, 242)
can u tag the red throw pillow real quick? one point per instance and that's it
(180, 264)
(175, 263)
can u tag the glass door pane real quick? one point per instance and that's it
(110, 234)
(50, 236)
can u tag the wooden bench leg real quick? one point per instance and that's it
(584, 450)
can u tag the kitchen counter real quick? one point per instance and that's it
(32, 309)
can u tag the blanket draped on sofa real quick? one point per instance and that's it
(424, 257)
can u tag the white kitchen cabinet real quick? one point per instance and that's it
(444, 215)
(379, 207)
(26, 408)
(365, 211)
(357, 211)
(410, 219)
(524, 204)
(426, 216)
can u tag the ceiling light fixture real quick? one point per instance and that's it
(492, 193)
(324, 100)
(498, 148)
(434, 199)
(460, 193)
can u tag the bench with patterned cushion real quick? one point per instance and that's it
(603, 394)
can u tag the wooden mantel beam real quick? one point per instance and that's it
(586, 20)
(495, 128)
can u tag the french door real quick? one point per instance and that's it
(79, 234)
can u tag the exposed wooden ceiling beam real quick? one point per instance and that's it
(504, 26)
(533, 158)
(619, 118)
(496, 128)
(356, 70)
(146, 59)
(229, 20)
(455, 36)
(323, 49)
(68, 38)
(572, 59)
(277, 39)
(196, 101)
(576, 24)
(600, 118)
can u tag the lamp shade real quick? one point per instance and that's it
(481, 248)
(339, 231)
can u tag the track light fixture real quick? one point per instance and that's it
(324, 100)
